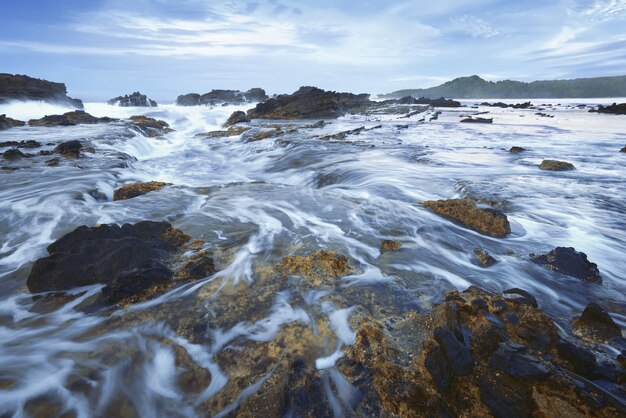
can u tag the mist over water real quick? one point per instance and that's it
(260, 201)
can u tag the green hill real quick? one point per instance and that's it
(475, 87)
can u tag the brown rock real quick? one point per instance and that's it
(259, 136)
(464, 211)
(237, 116)
(516, 150)
(484, 258)
(150, 127)
(595, 325)
(553, 165)
(319, 268)
(131, 190)
(390, 245)
(232, 131)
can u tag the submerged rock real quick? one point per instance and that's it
(232, 131)
(236, 117)
(553, 165)
(21, 87)
(134, 262)
(516, 150)
(623, 149)
(77, 117)
(484, 258)
(135, 99)
(69, 149)
(614, 109)
(567, 260)
(128, 191)
(6, 122)
(150, 127)
(390, 245)
(309, 103)
(477, 120)
(321, 267)
(487, 221)
(21, 144)
(13, 154)
(595, 325)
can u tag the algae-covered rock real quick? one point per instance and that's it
(128, 191)
(487, 221)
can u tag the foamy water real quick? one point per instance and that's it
(260, 201)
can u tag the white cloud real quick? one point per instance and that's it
(474, 26)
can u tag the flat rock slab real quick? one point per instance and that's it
(488, 221)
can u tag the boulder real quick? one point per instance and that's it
(477, 120)
(236, 117)
(150, 127)
(76, 117)
(13, 154)
(553, 165)
(133, 262)
(6, 122)
(69, 149)
(189, 99)
(128, 191)
(484, 258)
(390, 245)
(309, 103)
(30, 143)
(595, 325)
(614, 109)
(135, 99)
(567, 260)
(21, 87)
(515, 150)
(487, 221)
(440, 102)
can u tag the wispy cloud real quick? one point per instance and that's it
(473, 26)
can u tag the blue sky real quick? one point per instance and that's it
(103, 48)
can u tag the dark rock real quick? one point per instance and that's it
(440, 102)
(21, 87)
(190, 99)
(232, 131)
(150, 127)
(623, 149)
(76, 117)
(390, 245)
(69, 149)
(13, 154)
(21, 144)
(133, 100)
(525, 105)
(129, 191)
(567, 260)
(53, 162)
(526, 297)
(486, 221)
(516, 150)
(456, 353)
(237, 116)
(309, 103)
(233, 96)
(579, 359)
(484, 258)
(6, 122)
(553, 165)
(437, 365)
(614, 109)
(512, 359)
(477, 120)
(595, 325)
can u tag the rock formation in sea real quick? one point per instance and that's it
(22, 87)
(220, 97)
(135, 99)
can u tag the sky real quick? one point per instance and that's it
(163, 48)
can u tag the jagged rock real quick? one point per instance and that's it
(13, 154)
(614, 109)
(134, 262)
(487, 221)
(150, 127)
(390, 245)
(128, 191)
(484, 258)
(525, 105)
(232, 131)
(21, 144)
(133, 100)
(516, 150)
(232, 96)
(309, 103)
(53, 162)
(567, 260)
(6, 122)
(69, 149)
(344, 134)
(259, 136)
(595, 325)
(189, 99)
(21, 87)
(237, 116)
(319, 268)
(477, 120)
(623, 149)
(76, 117)
(440, 102)
(553, 165)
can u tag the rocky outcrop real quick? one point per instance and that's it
(567, 260)
(595, 325)
(238, 116)
(30, 143)
(133, 262)
(345, 134)
(525, 105)
(614, 109)
(215, 97)
(309, 103)
(232, 131)
(553, 165)
(14, 154)
(21, 87)
(150, 127)
(128, 191)
(477, 354)
(440, 102)
(516, 150)
(189, 99)
(6, 122)
(477, 120)
(69, 149)
(487, 221)
(133, 100)
(390, 245)
(77, 117)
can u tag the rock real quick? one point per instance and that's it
(131, 190)
(567, 260)
(595, 325)
(233, 96)
(237, 116)
(53, 162)
(516, 150)
(553, 165)
(440, 102)
(614, 109)
(76, 117)
(525, 105)
(477, 120)
(232, 131)
(484, 258)
(457, 355)
(21, 87)
(525, 297)
(319, 268)
(6, 122)
(259, 136)
(512, 358)
(309, 103)
(69, 149)
(623, 149)
(190, 99)
(133, 100)
(13, 154)
(464, 211)
(150, 127)
(132, 261)
(390, 245)
(21, 144)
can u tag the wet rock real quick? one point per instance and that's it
(484, 258)
(215, 97)
(614, 109)
(516, 150)
(524, 296)
(319, 268)
(135, 99)
(477, 120)
(595, 325)
(525, 105)
(623, 149)
(21, 87)
(236, 117)
(128, 191)
(487, 221)
(309, 103)
(390, 245)
(6, 122)
(567, 260)
(553, 165)
(13, 154)
(344, 134)
(69, 149)
(77, 117)
(259, 136)
(578, 359)
(53, 162)
(440, 102)
(232, 131)
(150, 127)
(21, 144)
(457, 355)
(512, 358)
(189, 99)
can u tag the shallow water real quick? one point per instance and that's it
(259, 201)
